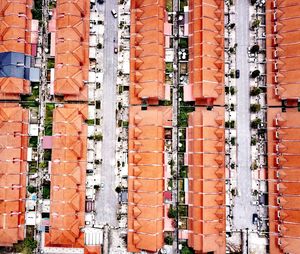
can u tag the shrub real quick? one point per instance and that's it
(172, 213)
(232, 141)
(231, 50)
(232, 107)
(43, 164)
(253, 141)
(254, 166)
(31, 189)
(232, 90)
(46, 192)
(98, 137)
(29, 245)
(255, 23)
(168, 240)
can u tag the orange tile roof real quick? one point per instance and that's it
(69, 153)
(146, 183)
(147, 64)
(93, 249)
(15, 26)
(283, 49)
(206, 160)
(13, 156)
(284, 180)
(15, 36)
(206, 50)
(72, 49)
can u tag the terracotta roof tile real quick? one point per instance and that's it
(147, 74)
(68, 176)
(206, 45)
(13, 156)
(146, 183)
(206, 180)
(72, 49)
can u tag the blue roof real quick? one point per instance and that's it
(17, 65)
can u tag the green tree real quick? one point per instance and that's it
(255, 73)
(255, 91)
(254, 108)
(255, 123)
(118, 189)
(254, 49)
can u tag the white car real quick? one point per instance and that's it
(114, 13)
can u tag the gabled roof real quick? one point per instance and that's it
(283, 179)
(146, 183)
(147, 71)
(69, 151)
(282, 52)
(206, 51)
(72, 49)
(13, 156)
(206, 162)
(15, 34)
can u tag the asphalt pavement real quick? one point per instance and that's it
(243, 208)
(106, 200)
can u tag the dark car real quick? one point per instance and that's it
(255, 218)
(100, 1)
(237, 73)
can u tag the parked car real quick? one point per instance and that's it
(114, 13)
(255, 218)
(100, 1)
(115, 50)
(237, 73)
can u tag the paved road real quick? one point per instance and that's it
(106, 203)
(243, 208)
